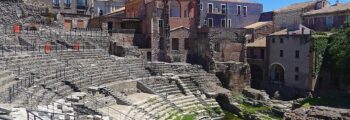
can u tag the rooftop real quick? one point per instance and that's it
(331, 9)
(296, 6)
(258, 24)
(239, 1)
(261, 42)
(281, 32)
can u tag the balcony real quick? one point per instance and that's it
(255, 60)
(216, 11)
(82, 7)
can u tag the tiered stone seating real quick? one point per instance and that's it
(100, 68)
(163, 86)
(190, 84)
(193, 86)
(186, 102)
(44, 69)
(6, 81)
(159, 107)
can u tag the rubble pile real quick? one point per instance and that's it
(318, 112)
(17, 12)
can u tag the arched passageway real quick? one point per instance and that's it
(277, 74)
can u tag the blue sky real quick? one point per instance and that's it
(275, 4)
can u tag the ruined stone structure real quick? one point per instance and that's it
(75, 82)
(318, 112)
(172, 48)
(18, 13)
(222, 51)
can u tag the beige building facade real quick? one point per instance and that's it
(290, 59)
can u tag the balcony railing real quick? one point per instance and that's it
(67, 5)
(216, 11)
(81, 7)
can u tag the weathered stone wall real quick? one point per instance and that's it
(182, 34)
(233, 75)
(125, 87)
(218, 45)
(222, 51)
(126, 39)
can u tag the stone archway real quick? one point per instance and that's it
(256, 76)
(277, 73)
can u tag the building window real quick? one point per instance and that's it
(187, 43)
(210, 22)
(223, 8)
(174, 9)
(229, 23)
(205, 22)
(149, 56)
(281, 40)
(296, 69)
(101, 12)
(251, 52)
(239, 9)
(201, 6)
(56, 3)
(175, 43)
(217, 47)
(262, 53)
(185, 13)
(245, 10)
(297, 54)
(273, 40)
(67, 3)
(323, 4)
(210, 7)
(223, 23)
(161, 23)
(296, 78)
(81, 3)
(281, 53)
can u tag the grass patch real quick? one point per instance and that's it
(253, 109)
(231, 116)
(186, 117)
(189, 117)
